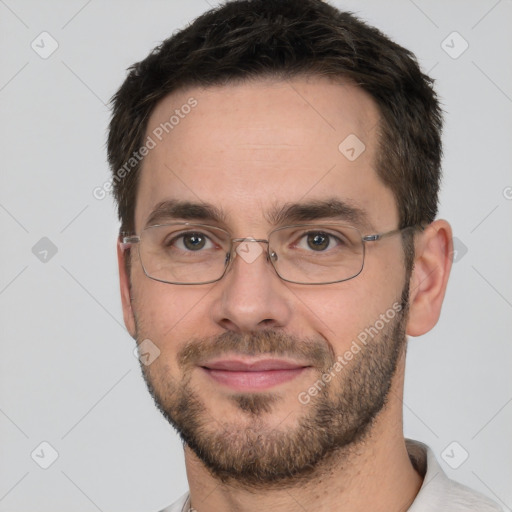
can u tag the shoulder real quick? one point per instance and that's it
(178, 506)
(440, 493)
(464, 499)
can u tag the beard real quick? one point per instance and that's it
(246, 451)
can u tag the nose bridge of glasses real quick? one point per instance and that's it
(236, 250)
(249, 239)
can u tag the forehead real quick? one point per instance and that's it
(251, 147)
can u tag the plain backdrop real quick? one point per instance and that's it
(68, 376)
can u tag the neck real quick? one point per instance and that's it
(376, 475)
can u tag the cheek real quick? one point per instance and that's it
(331, 311)
(340, 312)
(170, 315)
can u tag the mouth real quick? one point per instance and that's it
(247, 375)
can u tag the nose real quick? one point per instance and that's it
(252, 297)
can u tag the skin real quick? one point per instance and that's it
(246, 148)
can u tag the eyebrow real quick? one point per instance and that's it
(173, 209)
(328, 209)
(289, 213)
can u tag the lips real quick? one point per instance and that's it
(253, 375)
(256, 366)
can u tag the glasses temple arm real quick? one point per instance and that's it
(378, 236)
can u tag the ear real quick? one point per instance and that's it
(432, 265)
(124, 281)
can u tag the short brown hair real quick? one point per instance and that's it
(247, 39)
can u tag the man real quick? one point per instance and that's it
(276, 166)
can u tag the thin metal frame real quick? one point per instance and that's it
(127, 240)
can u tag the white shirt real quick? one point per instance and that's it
(438, 493)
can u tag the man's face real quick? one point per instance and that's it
(249, 150)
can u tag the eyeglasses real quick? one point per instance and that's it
(185, 253)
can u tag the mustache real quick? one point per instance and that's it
(315, 351)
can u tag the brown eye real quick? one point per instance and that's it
(318, 241)
(194, 241)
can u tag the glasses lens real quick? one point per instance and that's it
(184, 254)
(317, 254)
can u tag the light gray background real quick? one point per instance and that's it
(67, 372)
